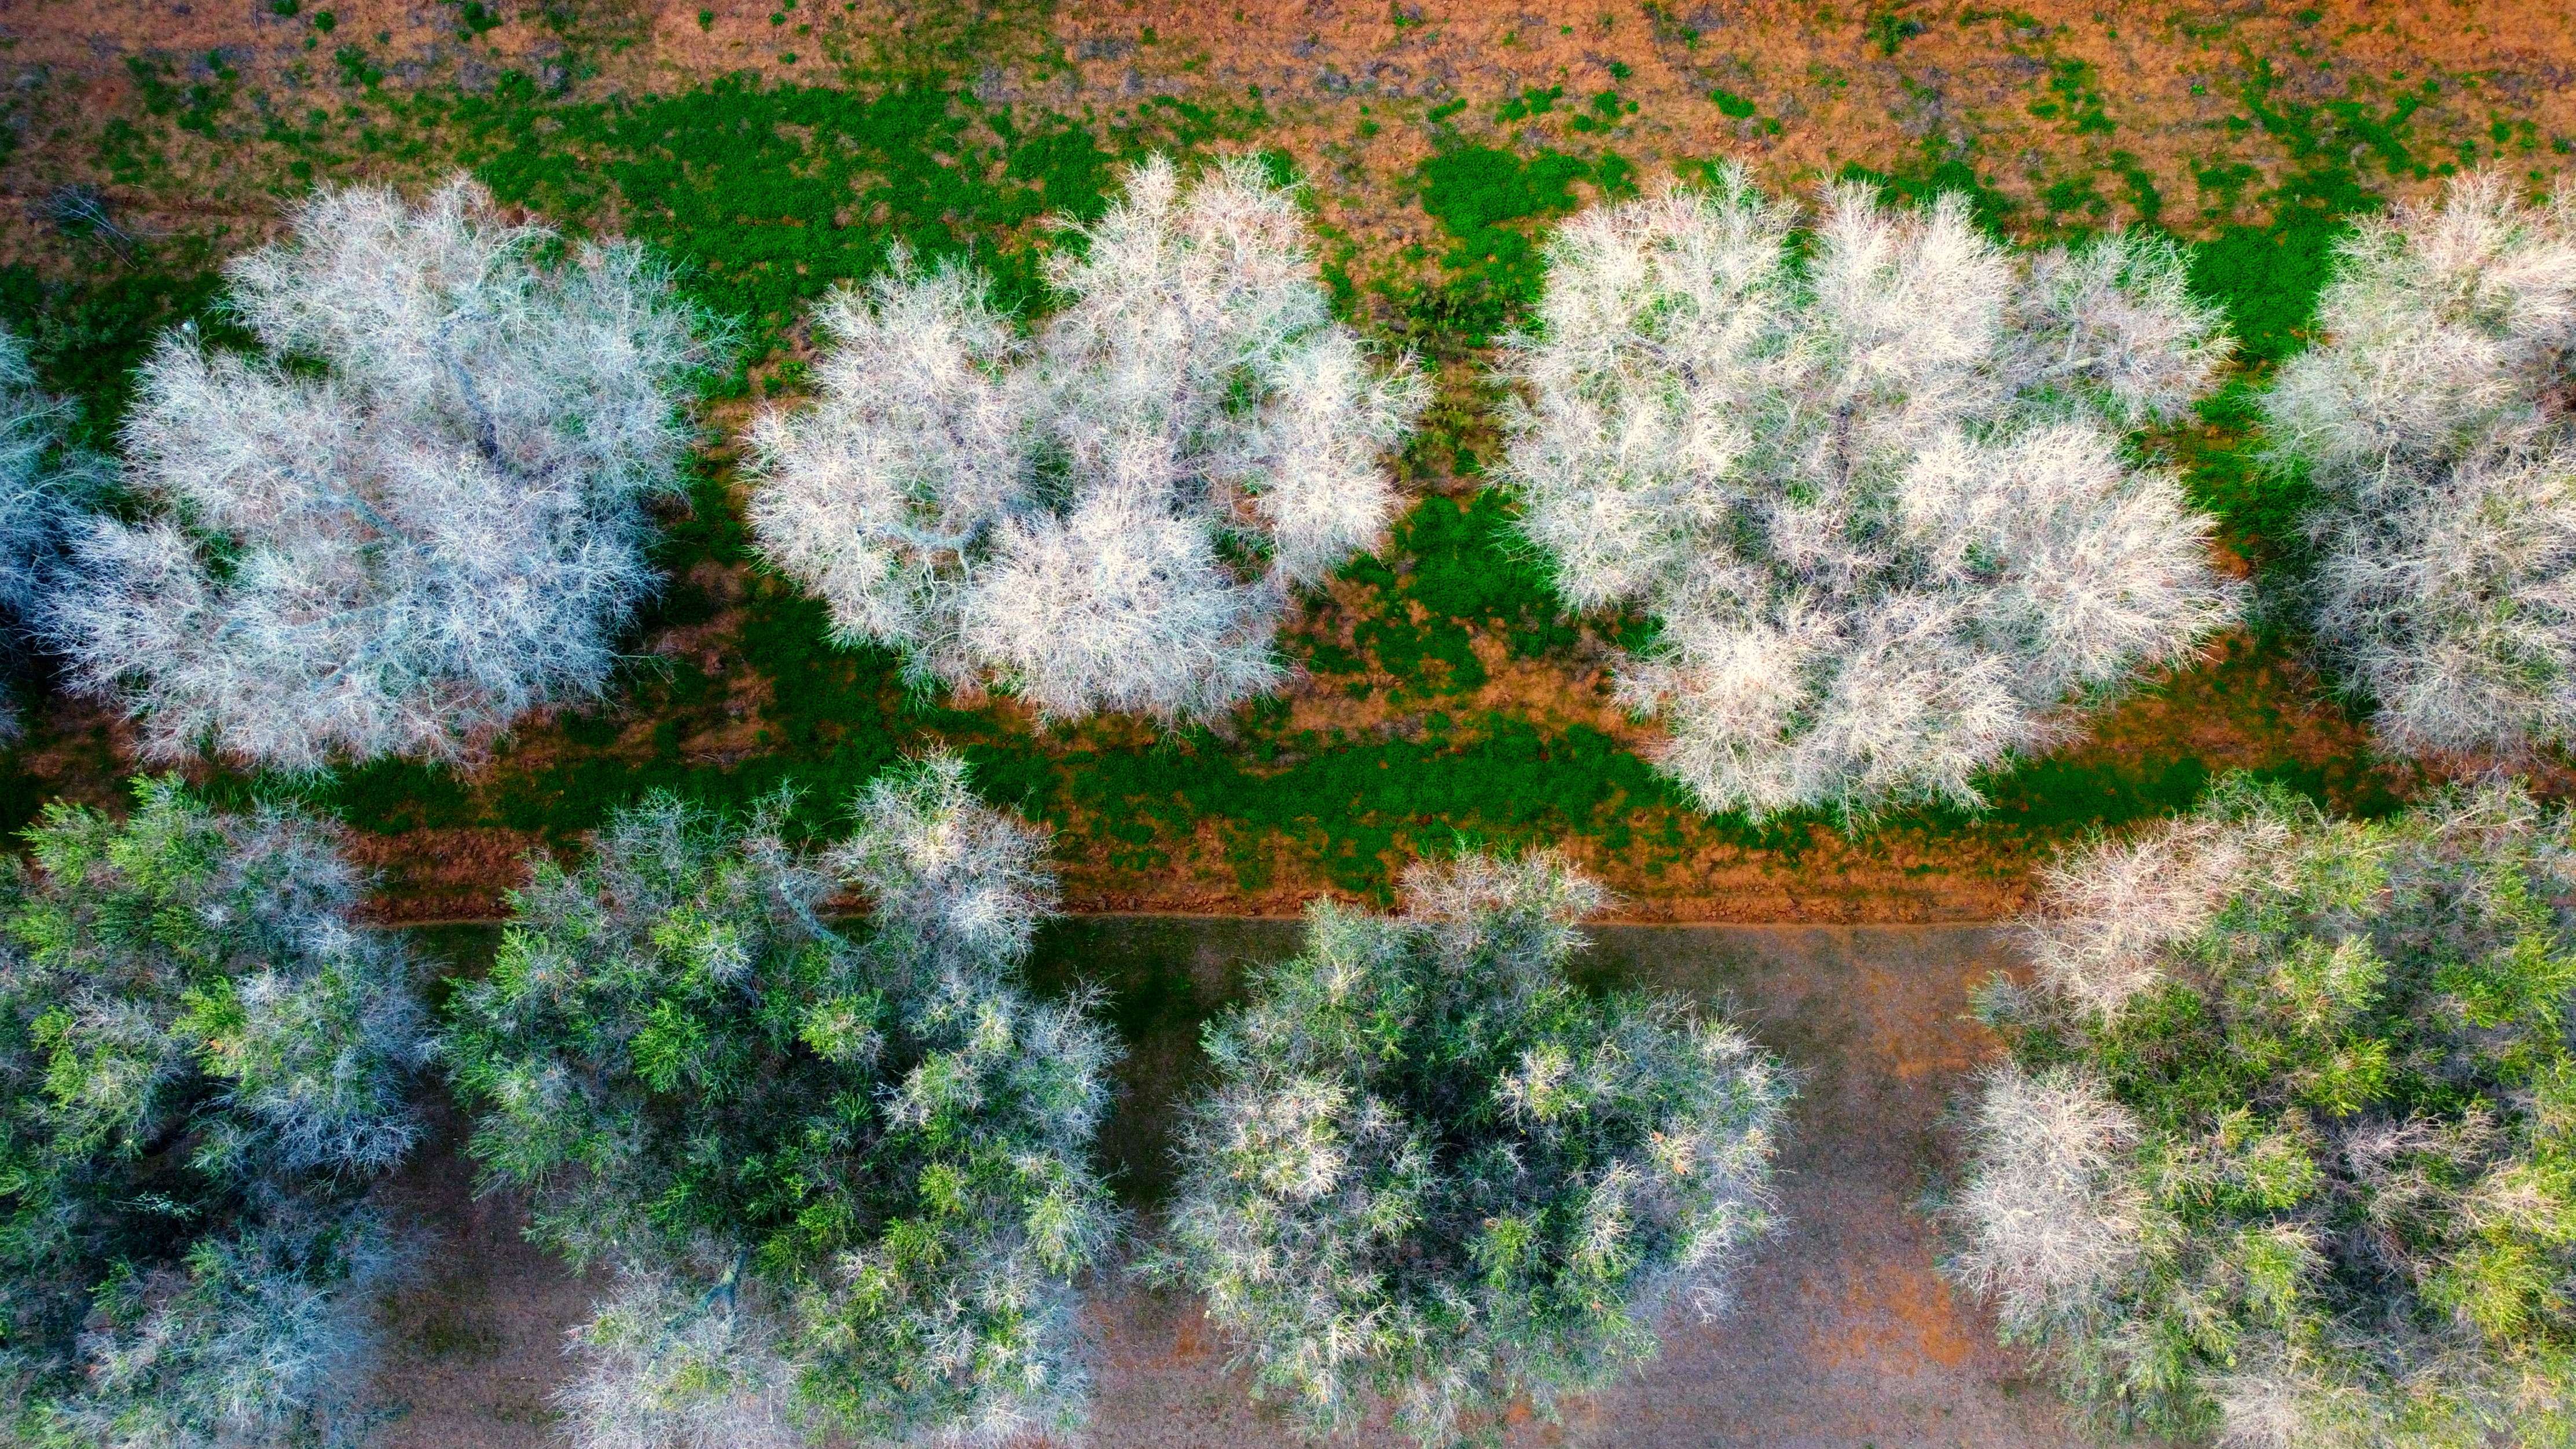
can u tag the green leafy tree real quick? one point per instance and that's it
(840, 1173)
(1432, 1169)
(2284, 1152)
(202, 1067)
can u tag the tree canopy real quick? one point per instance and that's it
(1431, 1169)
(412, 512)
(840, 1171)
(1869, 481)
(2432, 423)
(202, 1068)
(1107, 516)
(2285, 1146)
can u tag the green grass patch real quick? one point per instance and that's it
(1452, 567)
(1486, 199)
(767, 196)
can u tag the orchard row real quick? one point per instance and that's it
(1874, 478)
(2282, 1150)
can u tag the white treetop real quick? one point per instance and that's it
(2434, 425)
(413, 513)
(1875, 495)
(42, 485)
(1107, 516)
(33, 501)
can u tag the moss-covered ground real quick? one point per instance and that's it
(772, 152)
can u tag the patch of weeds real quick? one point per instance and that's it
(2268, 278)
(1932, 175)
(2144, 197)
(195, 106)
(389, 797)
(2074, 194)
(85, 336)
(1608, 109)
(767, 196)
(2323, 139)
(1354, 807)
(1452, 568)
(1889, 27)
(1615, 175)
(474, 19)
(1483, 197)
(1731, 105)
(357, 71)
(1468, 563)
(1668, 28)
(1530, 102)
(2257, 507)
(2074, 100)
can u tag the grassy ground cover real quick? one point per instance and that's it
(1446, 691)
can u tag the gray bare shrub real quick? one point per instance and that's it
(1433, 1171)
(1109, 515)
(2284, 1151)
(202, 1068)
(1875, 497)
(2434, 425)
(841, 1173)
(414, 512)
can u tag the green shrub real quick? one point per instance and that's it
(1432, 1169)
(2285, 1148)
(201, 1069)
(840, 1174)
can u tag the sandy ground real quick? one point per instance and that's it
(1842, 1334)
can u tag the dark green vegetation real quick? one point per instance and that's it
(765, 193)
(767, 196)
(2335, 1123)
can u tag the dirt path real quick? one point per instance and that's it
(1842, 1334)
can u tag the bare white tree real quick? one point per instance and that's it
(1877, 497)
(2048, 1220)
(413, 513)
(1108, 516)
(2434, 423)
(43, 484)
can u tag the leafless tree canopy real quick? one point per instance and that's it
(1108, 516)
(1877, 499)
(2434, 424)
(412, 513)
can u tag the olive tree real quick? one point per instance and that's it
(1108, 515)
(2284, 1149)
(2432, 423)
(202, 1068)
(1432, 1170)
(839, 1172)
(1872, 491)
(413, 511)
